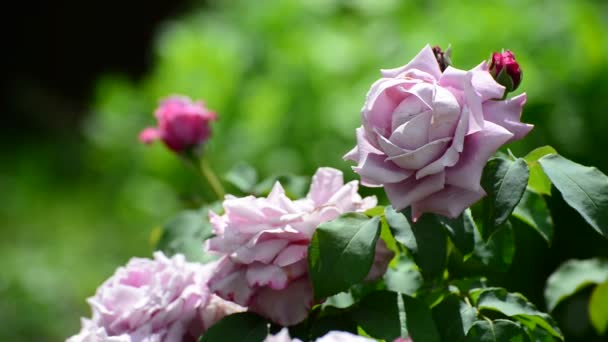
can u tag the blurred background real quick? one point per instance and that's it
(80, 195)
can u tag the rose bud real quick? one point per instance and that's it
(505, 70)
(182, 124)
(444, 58)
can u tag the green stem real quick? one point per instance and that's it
(207, 172)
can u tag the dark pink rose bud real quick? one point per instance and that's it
(182, 124)
(505, 70)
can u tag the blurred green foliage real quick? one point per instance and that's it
(288, 79)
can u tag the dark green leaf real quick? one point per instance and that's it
(404, 276)
(378, 315)
(341, 253)
(185, 234)
(461, 231)
(454, 318)
(330, 319)
(572, 276)
(500, 330)
(515, 306)
(598, 308)
(242, 326)
(499, 250)
(419, 319)
(243, 176)
(583, 188)
(425, 239)
(505, 182)
(539, 182)
(532, 210)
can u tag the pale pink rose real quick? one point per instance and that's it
(426, 135)
(149, 300)
(332, 336)
(264, 243)
(92, 333)
(209, 314)
(182, 124)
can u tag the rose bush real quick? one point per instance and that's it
(182, 124)
(264, 244)
(154, 300)
(426, 135)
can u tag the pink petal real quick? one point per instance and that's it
(478, 148)
(507, 114)
(401, 195)
(149, 135)
(445, 115)
(484, 83)
(450, 202)
(410, 107)
(414, 133)
(377, 171)
(424, 61)
(473, 102)
(291, 254)
(285, 307)
(325, 183)
(259, 274)
(379, 105)
(264, 251)
(421, 157)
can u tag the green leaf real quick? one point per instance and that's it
(185, 234)
(572, 276)
(500, 330)
(341, 253)
(404, 277)
(454, 318)
(243, 176)
(330, 319)
(498, 251)
(461, 231)
(539, 182)
(598, 308)
(515, 306)
(242, 326)
(532, 210)
(583, 188)
(419, 320)
(425, 239)
(378, 315)
(505, 182)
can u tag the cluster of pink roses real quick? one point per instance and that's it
(427, 131)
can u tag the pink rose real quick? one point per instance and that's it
(182, 124)
(332, 336)
(427, 134)
(154, 300)
(264, 243)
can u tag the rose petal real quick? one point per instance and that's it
(264, 251)
(291, 254)
(325, 183)
(421, 157)
(414, 133)
(285, 307)
(410, 107)
(473, 102)
(484, 83)
(401, 195)
(260, 274)
(450, 202)
(507, 114)
(424, 61)
(445, 115)
(379, 105)
(478, 148)
(377, 171)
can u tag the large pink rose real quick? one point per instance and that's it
(154, 300)
(264, 243)
(426, 135)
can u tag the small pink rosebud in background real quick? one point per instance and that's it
(182, 124)
(505, 70)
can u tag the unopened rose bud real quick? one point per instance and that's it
(182, 124)
(505, 70)
(444, 58)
